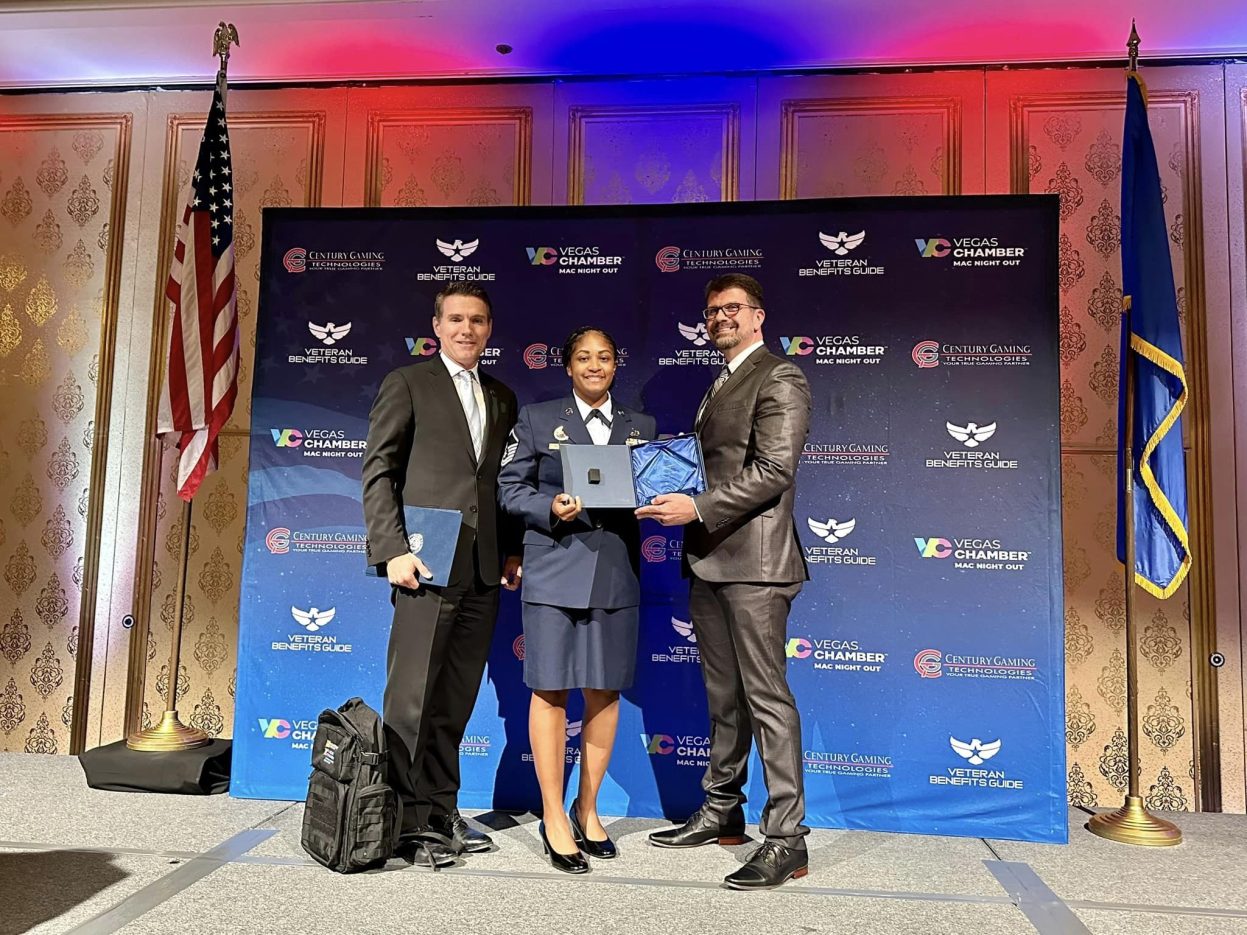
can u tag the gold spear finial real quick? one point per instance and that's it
(1132, 46)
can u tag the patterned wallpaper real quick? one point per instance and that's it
(56, 248)
(1070, 145)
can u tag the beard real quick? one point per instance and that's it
(727, 337)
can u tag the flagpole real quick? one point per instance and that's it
(1132, 823)
(171, 734)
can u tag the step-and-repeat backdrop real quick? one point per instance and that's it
(926, 650)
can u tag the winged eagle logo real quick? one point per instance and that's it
(841, 243)
(975, 751)
(458, 250)
(573, 729)
(329, 333)
(832, 530)
(971, 435)
(684, 628)
(696, 334)
(313, 618)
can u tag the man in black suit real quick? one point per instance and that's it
(436, 435)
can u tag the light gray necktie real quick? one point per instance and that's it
(467, 397)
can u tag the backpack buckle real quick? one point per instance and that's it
(371, 759)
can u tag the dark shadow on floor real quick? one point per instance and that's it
(38, 886)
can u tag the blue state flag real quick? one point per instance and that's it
(1151, 344)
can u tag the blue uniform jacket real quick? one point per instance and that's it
(593, 560)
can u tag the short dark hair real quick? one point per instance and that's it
(471, 289)
(569, 346)
(751, 286)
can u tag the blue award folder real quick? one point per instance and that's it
(431, 536)
(628, 476)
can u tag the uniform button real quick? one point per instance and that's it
(597, 524)
(473, 509)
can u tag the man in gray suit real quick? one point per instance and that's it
(745, 561)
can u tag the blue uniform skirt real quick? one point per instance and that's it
(567, 647)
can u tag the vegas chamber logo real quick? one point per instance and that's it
(834, 763)
(841, 263)
(934, 664)
(929, 354)
(312, 620)
(972, 436)
(833, 531)
(300, 733)
(303, 260)
(973, 554)
(835, 655)
(689, 750)
(319, 443)
(970, 251)
(577, 260)
(976, 774)
(427, 346)
(672, 259)
(330, 334)
(833, 348)
(682, 651)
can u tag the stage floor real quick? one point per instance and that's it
(76, 860)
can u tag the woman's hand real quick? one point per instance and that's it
(565, 507)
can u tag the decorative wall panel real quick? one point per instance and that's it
(62, 208)
(278, 159)
(1069, 144)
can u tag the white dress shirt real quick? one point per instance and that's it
(599, 431)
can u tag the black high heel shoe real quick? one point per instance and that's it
(603, 850)
(568, 863)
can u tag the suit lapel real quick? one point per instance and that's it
(733, 383)
(573, 426)
(621, 425)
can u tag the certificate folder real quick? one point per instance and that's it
(431, 536)
(629, 476)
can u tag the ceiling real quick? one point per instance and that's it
(74, 43)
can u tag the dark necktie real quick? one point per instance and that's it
(597, 414)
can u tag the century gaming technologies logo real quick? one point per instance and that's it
(832, 763)
(690, 750)
(969, 251)
(661, 549)
(329, 336)
(474, 745)
(282, 540)
(973, 554)
(852, 454)
(540, 355)
(835, 655)
(575, 259)
(832, 531)
(844, 261)
(319, 443)
(833, 349)
(934, 664)
(929, 354)
(976, 753)
(302, 260)
(972, 454)
(673, 259)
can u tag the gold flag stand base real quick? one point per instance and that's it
(1134, 824)
(169, 735)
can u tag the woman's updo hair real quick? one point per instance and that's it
(569, 346)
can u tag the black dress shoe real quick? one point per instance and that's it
(698, 830)
(464, 838)
(426, 848)
(769, 866)
(568, 863)
(603, 850)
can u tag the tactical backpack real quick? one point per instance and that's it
(353, 816)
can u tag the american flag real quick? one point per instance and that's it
(201, 373)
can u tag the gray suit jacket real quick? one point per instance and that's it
(751, 434)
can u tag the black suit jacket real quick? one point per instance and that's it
(420, 454)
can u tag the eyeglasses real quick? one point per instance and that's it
(731, 310)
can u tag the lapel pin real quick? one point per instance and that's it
(635, 433)
(560, 433)
(567, 411)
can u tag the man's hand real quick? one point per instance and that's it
(402, 571)
(511, 573)
(566, 507)
(670, 509)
